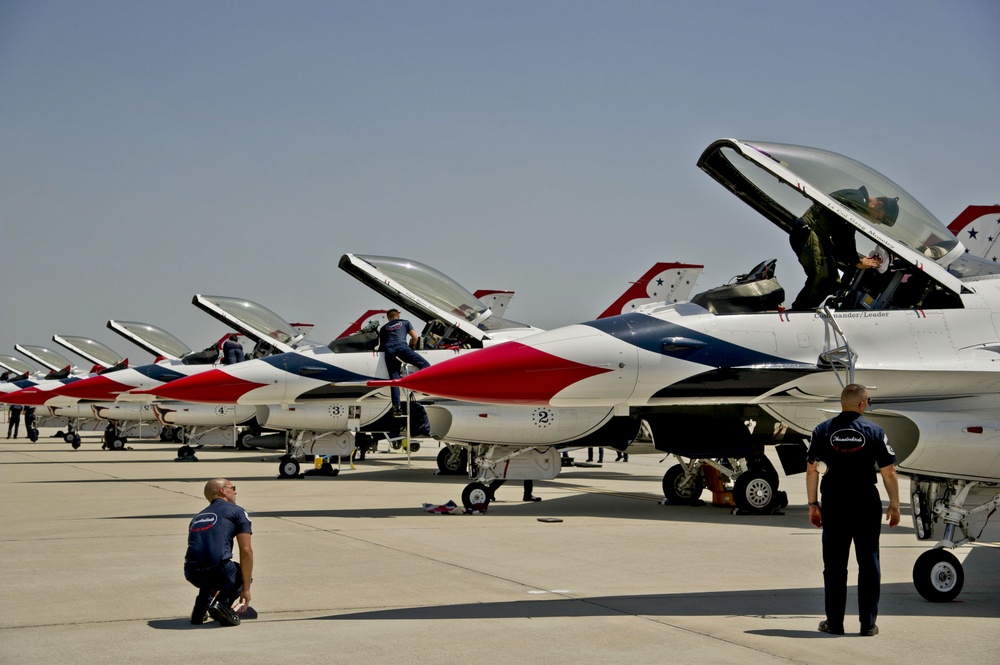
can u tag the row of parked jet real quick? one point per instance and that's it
(710, 379)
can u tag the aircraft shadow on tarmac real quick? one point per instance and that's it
(898, 599)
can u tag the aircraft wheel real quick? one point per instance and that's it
(754, 491)
(938, 576)
(69, 436)
(476, 496)
(452, 460)
(117, 443)
(243, 439)
(166, 434)
(185, 451)
(178, 435)
(288, 468)
(676, 490)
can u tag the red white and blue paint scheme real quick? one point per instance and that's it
(922, 334)
(321, 392)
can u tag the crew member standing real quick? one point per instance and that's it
(208, 563)
(394, 341)
(13, 419)
(851, 448)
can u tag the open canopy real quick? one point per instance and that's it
(91, 349)
(426, 292)
(154, 340)
(782, 181)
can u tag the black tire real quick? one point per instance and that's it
(452, 461)
(185, 451)
(676, 490)
(68, 437)
(288, 468)
(414, 446)
(476, 496)
(755, 491)
(178, 435)
(938, 576)
(166, 434)
(74, 440)
(117, 443)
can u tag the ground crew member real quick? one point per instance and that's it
(208, 563)
(394, 341)
(851, 447)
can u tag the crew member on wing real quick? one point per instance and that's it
(824, 243)
(394, 341)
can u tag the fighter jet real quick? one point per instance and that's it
(920, 331)
(323, 391)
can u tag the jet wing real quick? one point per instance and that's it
(255, 321)
(156, 341)
(781, 182)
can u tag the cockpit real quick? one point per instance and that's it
(922, 264)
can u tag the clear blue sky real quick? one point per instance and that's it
(152, 150)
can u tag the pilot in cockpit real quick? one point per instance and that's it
(825, 243)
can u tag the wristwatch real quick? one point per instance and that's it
(814, 503)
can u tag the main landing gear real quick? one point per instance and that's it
(493, 462)
(937, 573)
(754, 482)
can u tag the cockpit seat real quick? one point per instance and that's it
(756, 291)
(361, 341)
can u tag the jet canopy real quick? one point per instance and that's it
(782, 181)
(44, 356)
(428, 293)
(154, 340)
(91, 349)
(255, 321)
(16, 365)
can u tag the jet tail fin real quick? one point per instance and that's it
(366, 320)
(664, 282)
(978, 227)
(496, 300)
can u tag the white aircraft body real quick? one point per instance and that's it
(921, 332)
(316, 392)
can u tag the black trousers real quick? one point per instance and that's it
(857, 521)
(226, 578)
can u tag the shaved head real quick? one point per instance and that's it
(213, 487)
(852, 395)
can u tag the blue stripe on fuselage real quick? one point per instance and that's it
(648, 333)
(159, 373)
(312, 368)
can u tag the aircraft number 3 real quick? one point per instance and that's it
(542, 417)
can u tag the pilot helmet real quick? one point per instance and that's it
(890, 209)
(853, 198)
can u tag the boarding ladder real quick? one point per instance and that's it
(841, 359)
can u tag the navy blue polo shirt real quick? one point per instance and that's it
(211, 533)
(854, 449)
(393, 335)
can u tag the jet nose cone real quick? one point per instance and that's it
(27, 397)
(509, 373)
(214, 387)
(94, 387)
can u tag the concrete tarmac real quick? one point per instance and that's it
(351, 569)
